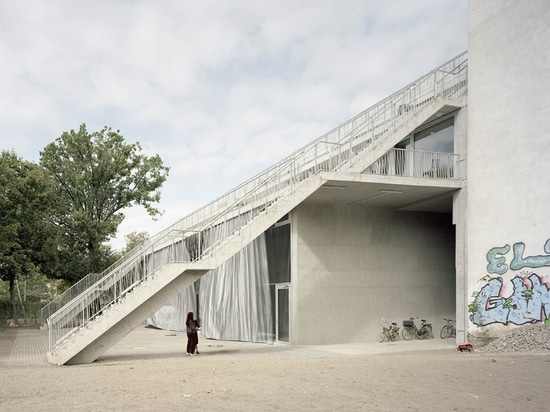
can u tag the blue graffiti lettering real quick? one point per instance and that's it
(528, 303)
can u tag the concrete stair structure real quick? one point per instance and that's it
(142, 282)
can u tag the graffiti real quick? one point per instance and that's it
(497, 261)
(528, 301)
(531, 261)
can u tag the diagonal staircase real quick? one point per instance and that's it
(116, 301)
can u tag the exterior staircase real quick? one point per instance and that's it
(110, 305)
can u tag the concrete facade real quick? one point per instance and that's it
(355, 265)
(507, 240)
(486, 263)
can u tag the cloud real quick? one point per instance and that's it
(220, 90)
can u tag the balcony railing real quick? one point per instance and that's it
(416, 163)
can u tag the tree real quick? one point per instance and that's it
(134, 239)
(97, 175)
(27, 237)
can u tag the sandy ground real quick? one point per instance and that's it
(148, 371)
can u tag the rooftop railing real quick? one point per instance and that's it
(202, 232)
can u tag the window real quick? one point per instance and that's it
(437, 138)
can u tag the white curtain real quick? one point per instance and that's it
(234, 300)
(172, 316)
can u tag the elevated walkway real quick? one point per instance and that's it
(144, 280)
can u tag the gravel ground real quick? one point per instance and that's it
(530, 338)
(149, 371)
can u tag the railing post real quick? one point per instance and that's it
(455, 170)
(315, 156)
(392, 159)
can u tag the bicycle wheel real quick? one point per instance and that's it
(394, 336)
(382, 337)
(408, 333)
(445, 332)
(429, 333)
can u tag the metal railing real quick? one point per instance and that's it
(68, 295)
(201, 233)
(416, 163)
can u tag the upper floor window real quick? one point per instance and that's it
(436, 138)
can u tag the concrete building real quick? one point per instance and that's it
(483, 259)
(507, 236)
(430, 204)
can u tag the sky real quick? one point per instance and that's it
(220, 90)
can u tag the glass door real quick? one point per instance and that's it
(282, 320)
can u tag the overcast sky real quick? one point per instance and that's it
(221, 90)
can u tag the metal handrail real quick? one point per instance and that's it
(199, 234)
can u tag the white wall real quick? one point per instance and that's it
(459, 220)
(508, 154)
(353, 265)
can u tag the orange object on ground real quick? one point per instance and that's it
(461, 347)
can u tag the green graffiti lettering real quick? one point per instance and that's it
(496, 263)
(519, 262)
(508, 304)
(527, 294)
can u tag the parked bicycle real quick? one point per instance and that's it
(411, 331)
(448, 330)
(391, 333)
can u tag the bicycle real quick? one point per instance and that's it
(410, 330)
(390, 333)
(448, 330)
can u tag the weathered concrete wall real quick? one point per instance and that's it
(459, 220)
(353, 265)
(508, 167)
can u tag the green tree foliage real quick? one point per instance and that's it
(27, 237)
(135, 239)
(97, 175)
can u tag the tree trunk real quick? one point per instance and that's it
(15, 321)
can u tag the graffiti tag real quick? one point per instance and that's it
(529, 302)
(497, 260)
